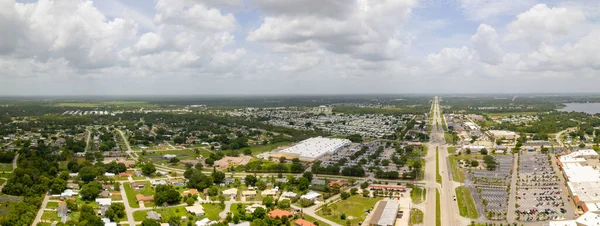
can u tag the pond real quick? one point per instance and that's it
(590, 108)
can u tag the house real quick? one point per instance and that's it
(191, 191)
(339, 183)
(68, 193)
(270, 192)
(159, 182)
(311, 195)
(128, 163)
(205, 222)
(73, 186)
(153, 215)
(302, 222)
(107, 174)
(248, 193)
(177, 182)
(107, 222)
(105, 194)
(138, 185)
(104, 201)
(144, 198)
(232, 192)
(279, 213)
(318, 182)
(125, 174)
(251, 208)
(169, 156)
(196, 210)
(289, 195)
(62, 210)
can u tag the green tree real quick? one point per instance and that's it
(90, 192)
(148, 168)
(166, 194)
(116, 211)
(345, 195)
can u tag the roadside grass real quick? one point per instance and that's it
(418, 195)
(50, 216)
(451, 150)
(354, 207)
(438, 177)
(466, 205)
(259, 149)
(458, 174)
(438, 213)
(312, 219)
(6, 167)
(416, 216)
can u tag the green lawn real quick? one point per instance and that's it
(458, 174)
(354, 207)
(312, 219)
(181, 154)
(148, 190)
(438, 212)
(52, 205)
(6, 167)
(258, 149)
(416, 216)
(50, 216)
(466, 205)
(438, 177)
(212, 212)
(451, 150)
(418, 195)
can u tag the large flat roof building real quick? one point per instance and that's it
(384, 214)
(313, 148)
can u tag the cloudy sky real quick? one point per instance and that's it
(120, 47)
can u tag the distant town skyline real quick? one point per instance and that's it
(274, 47)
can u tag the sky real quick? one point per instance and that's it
(253, 47)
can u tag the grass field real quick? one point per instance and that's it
(458, 174)
(438, 212)
(259, 149)
(416, 216)
(438, 177)
(312, 219)
(50, 216)
(451, 150)
(354, 207)
(466, 205)
(148, 190)
(418, 195)
(212, 212)
(6, 167)
(52, 205)
(181, 154)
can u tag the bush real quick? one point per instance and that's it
(345, 195)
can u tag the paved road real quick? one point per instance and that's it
(312, 209)
(430, 173)
(512, 195)
(38, 217)
(128, 209)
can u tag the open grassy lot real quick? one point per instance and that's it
(466, 205)
(418, 195)
(181, 154)
(258, 149)
(354, 207)
(52, 205)
(6, 167)
(212, 212)
(130, 192)
(438, 213)
(50, 216)
(312, 219)
(451, 150)
(458, 174)
(416, 216)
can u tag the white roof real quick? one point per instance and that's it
(388, 216)
(316, 147)
(588, 218)
(104, 201)
(311, 195)
(587, 191)
(203, 222)
(563, 223)
(231, 191)
(197, 209)
(289, 194)
(575, 172)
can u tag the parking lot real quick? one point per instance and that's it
(539, 197)
(490, 188)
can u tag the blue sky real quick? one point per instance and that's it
(84, 47)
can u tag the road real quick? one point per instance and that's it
(38, 217)
(128, 209)
(450, 214)
(312, 209)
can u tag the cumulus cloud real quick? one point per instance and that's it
(541, 23)
(486, 44)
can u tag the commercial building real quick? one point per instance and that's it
(385, 213)
(313, 148)
(503, 134)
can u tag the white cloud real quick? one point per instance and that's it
(483, 10)
(486, 44)
(541, 23)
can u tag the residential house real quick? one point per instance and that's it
(196, 210)
(302, 222)
(138, 185)
(153, 215)
(144, 198)
(277, 213)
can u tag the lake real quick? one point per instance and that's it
(590, 108)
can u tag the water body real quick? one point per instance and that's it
(590, 108)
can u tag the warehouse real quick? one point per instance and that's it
(313, 148)
(385, 213)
